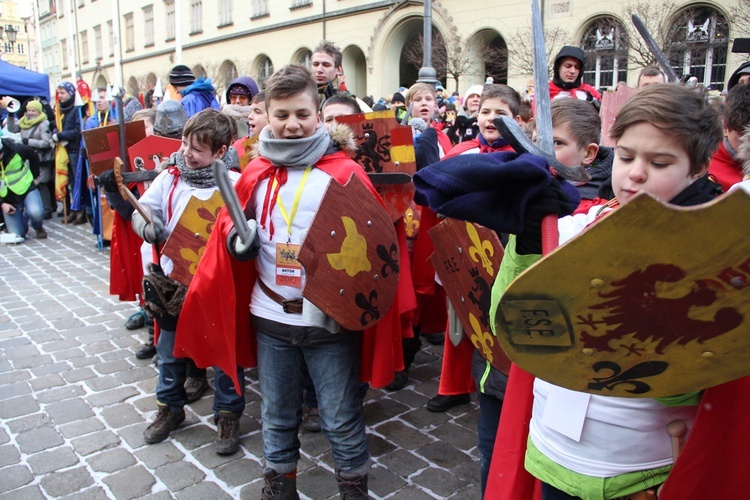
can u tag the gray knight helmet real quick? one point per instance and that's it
(170, 119)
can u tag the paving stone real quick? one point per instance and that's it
(179, 475)
(41, 438)
(195, 436)
(111, 397)
(66, 482)
(378, 446)
(102, 383)
(14, 389)
(113, 366)
(79, 375)
(97, 441)
(402, 462)
(158, 454)
(94, 493)
(69, 411)
(382, 482)
(317, 483)
(99, 347)
(60, 345)
(4, 438)
(69, 354)
(111, 460)
(425, 420)
(160, 495)
(237, 472)
(121, 415)
(47, 382)
(20, 351)
(23, 424)
(136, 374)
(32, 492)
(60, 393)
(42, 336)
(9, 455)
(46, 369)
(402, 435)
(50, 461)
(442, 454)
(203, 490)
(133, 435)
(83, 361)
(18, 406)
(81, 427)
(457, 436)
(14, 376)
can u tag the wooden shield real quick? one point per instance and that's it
(350, 255)
(103, 144)
(187, 242)
(611, 104)
(384, 146)
(466, 259)
(142, 153)
(651, 301)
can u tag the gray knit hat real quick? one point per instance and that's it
(181, 76)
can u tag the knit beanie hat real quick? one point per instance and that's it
(181, 76)
(68, 87)
(398, 97)
(474, 89)
(34, 104)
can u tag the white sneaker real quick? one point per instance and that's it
(11, 238)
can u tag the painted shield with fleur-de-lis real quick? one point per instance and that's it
(384, 147)
(467, 259)
(350, 256)
(188, 240)
(640, 304)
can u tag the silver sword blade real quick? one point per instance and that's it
(516, 137)
(232, 202)
(541, 82)
(661, 58)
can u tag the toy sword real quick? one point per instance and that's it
(661, 58)
(231, 200)
(126, 194)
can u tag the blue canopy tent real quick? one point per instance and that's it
(20, 83)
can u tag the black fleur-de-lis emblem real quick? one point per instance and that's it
(369, 306)
(629, 376)
(390, 258)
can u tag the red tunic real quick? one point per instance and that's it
(214, 327)
(726, 170)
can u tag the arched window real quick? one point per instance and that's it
(605, 44)
(304, 58)
(265, 70)
(699, 44)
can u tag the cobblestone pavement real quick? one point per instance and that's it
(74, 402)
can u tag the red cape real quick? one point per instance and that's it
(554, 90)
(726, 170)
(125, 265)
(214, 327)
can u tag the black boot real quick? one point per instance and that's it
(279, 486)
(352, 487)
(147, 350)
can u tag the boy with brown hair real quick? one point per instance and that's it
(206, 137)
(280, 192)
(665, 136)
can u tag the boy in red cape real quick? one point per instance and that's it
(233, 311)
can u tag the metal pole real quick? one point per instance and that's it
(427, 73)
(116, 40)
(177, 32)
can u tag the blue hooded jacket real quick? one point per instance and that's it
(198, 96)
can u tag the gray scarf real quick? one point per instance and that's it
(295, 153)
(202, 177)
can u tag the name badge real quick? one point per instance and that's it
(288, 268)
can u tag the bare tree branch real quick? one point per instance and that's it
(740, 16)
(521, 48)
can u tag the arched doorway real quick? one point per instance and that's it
(355, 70)
(227, 73)
(411, 54)
(605, 45)
(199, 71)
(487, 56)
(133, 87)
(302, 57)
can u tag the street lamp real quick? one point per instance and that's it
(427, 73)
(11, 32)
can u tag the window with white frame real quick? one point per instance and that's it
(84, 47)
(605, 44)
(129, 32)
(260, 8)
(21, 48)
(196, 16)
(265, 70)
(169, 10)
(225, 12)
(64, 52)
(699, 44)
(98, 45)
(111, 33)
(148, 25)
(300, 3)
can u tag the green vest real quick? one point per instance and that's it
(16, 176)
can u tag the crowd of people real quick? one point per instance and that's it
(281, 146)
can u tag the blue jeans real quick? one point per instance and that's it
(334, 369)
(489, 419)
(30, 208)
(170, 390)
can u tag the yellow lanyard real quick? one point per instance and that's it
(106, 119)
(289, 218)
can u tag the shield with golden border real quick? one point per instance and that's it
(350, 256)
(385, 147)
(103, 144)
(466, 259)
(188, 240)
(651, 301)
